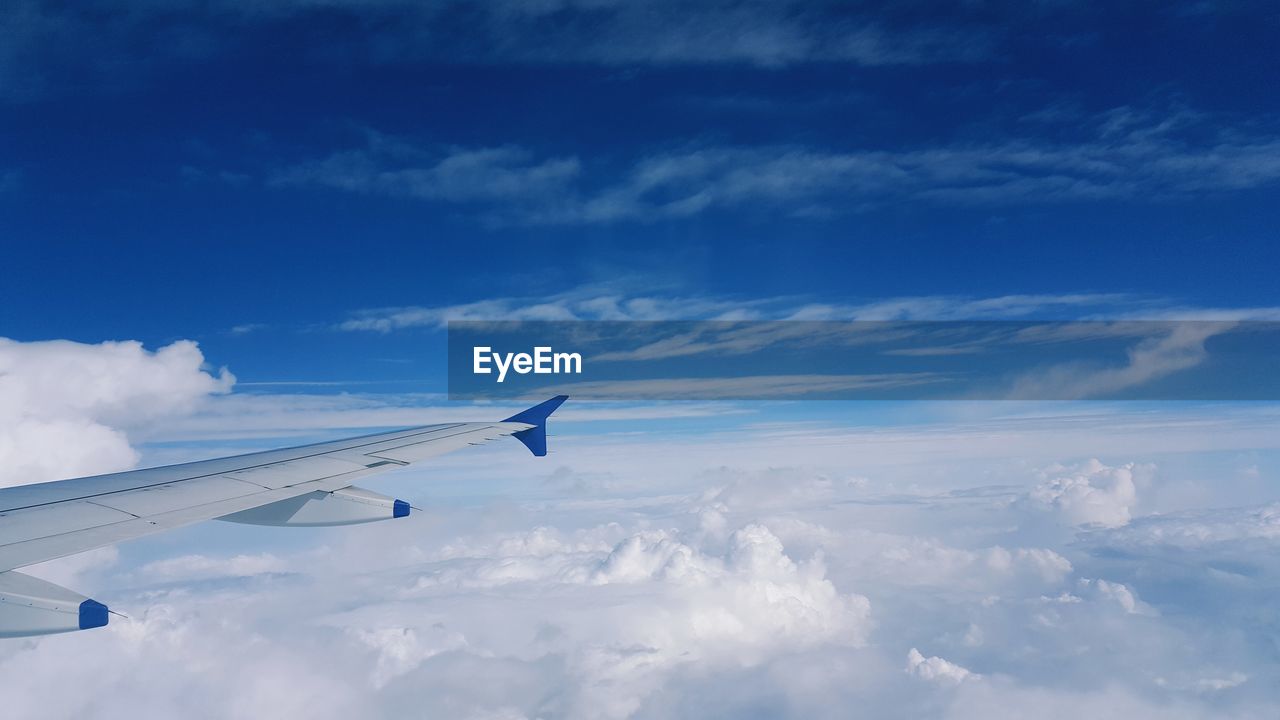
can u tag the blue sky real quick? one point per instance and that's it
(182, 171)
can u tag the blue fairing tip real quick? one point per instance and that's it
(399, 509)
(92, 614)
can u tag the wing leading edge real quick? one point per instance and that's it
(49, 520)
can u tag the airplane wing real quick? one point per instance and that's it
(311, 485)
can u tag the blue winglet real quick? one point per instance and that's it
(535, 438)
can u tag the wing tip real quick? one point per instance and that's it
(539, 413)
(535, 438)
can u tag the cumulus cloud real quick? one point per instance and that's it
(926, 562)
(65, 407)
(615, 614)
(753, 597)
(1119, 593)
(936, 669)
(750, 598)
(159, 663)
(1090, 493)
(640, 607)
(401, 649)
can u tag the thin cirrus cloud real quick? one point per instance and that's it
(1125, 154)
(49, 42)
(1154, 350)
(612, 302)
(767, 34)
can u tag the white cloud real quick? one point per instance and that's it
(753, 598)
(195, 567)
(1007, 701)
(1090, 493)
(624, 610)
(623, 613)
(1199, 529)
(65, 406)
(929, 563)
(172, 660)
(936, 669)
(401, 649)
(1119, 593)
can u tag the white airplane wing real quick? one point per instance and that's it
(311, 485)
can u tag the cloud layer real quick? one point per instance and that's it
(978, 564)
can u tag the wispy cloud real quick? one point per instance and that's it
(1066, 346)
(1125, 154)
(587, 302)
(615, 302)
(50, 47)
(247, 328)
(782, 387)
(768, 34)
(1173, 348)
(453, 175)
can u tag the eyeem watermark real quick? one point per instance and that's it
(543, 361)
